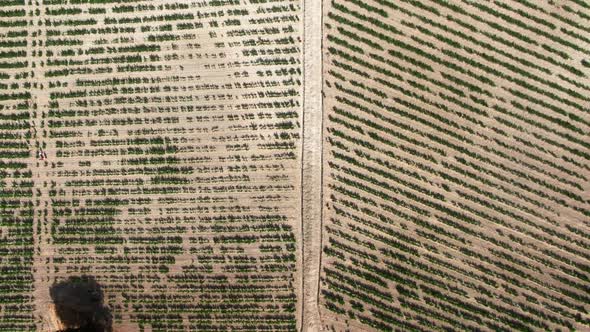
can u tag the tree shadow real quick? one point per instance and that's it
(79, 305)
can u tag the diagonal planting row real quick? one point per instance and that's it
(456, 165)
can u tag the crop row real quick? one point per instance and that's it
(442, 148)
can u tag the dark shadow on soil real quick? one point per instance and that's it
(79, 305)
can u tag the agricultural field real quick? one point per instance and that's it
(295, 165)
(16, 177)
(153, 145)
(456, 166)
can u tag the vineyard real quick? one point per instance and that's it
(456, 171)
(16, 178)
(154, 145)
(295, 165)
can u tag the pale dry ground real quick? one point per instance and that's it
(312, 164)
(43, 251)
(50, 318)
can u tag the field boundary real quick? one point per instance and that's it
(311, 167)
